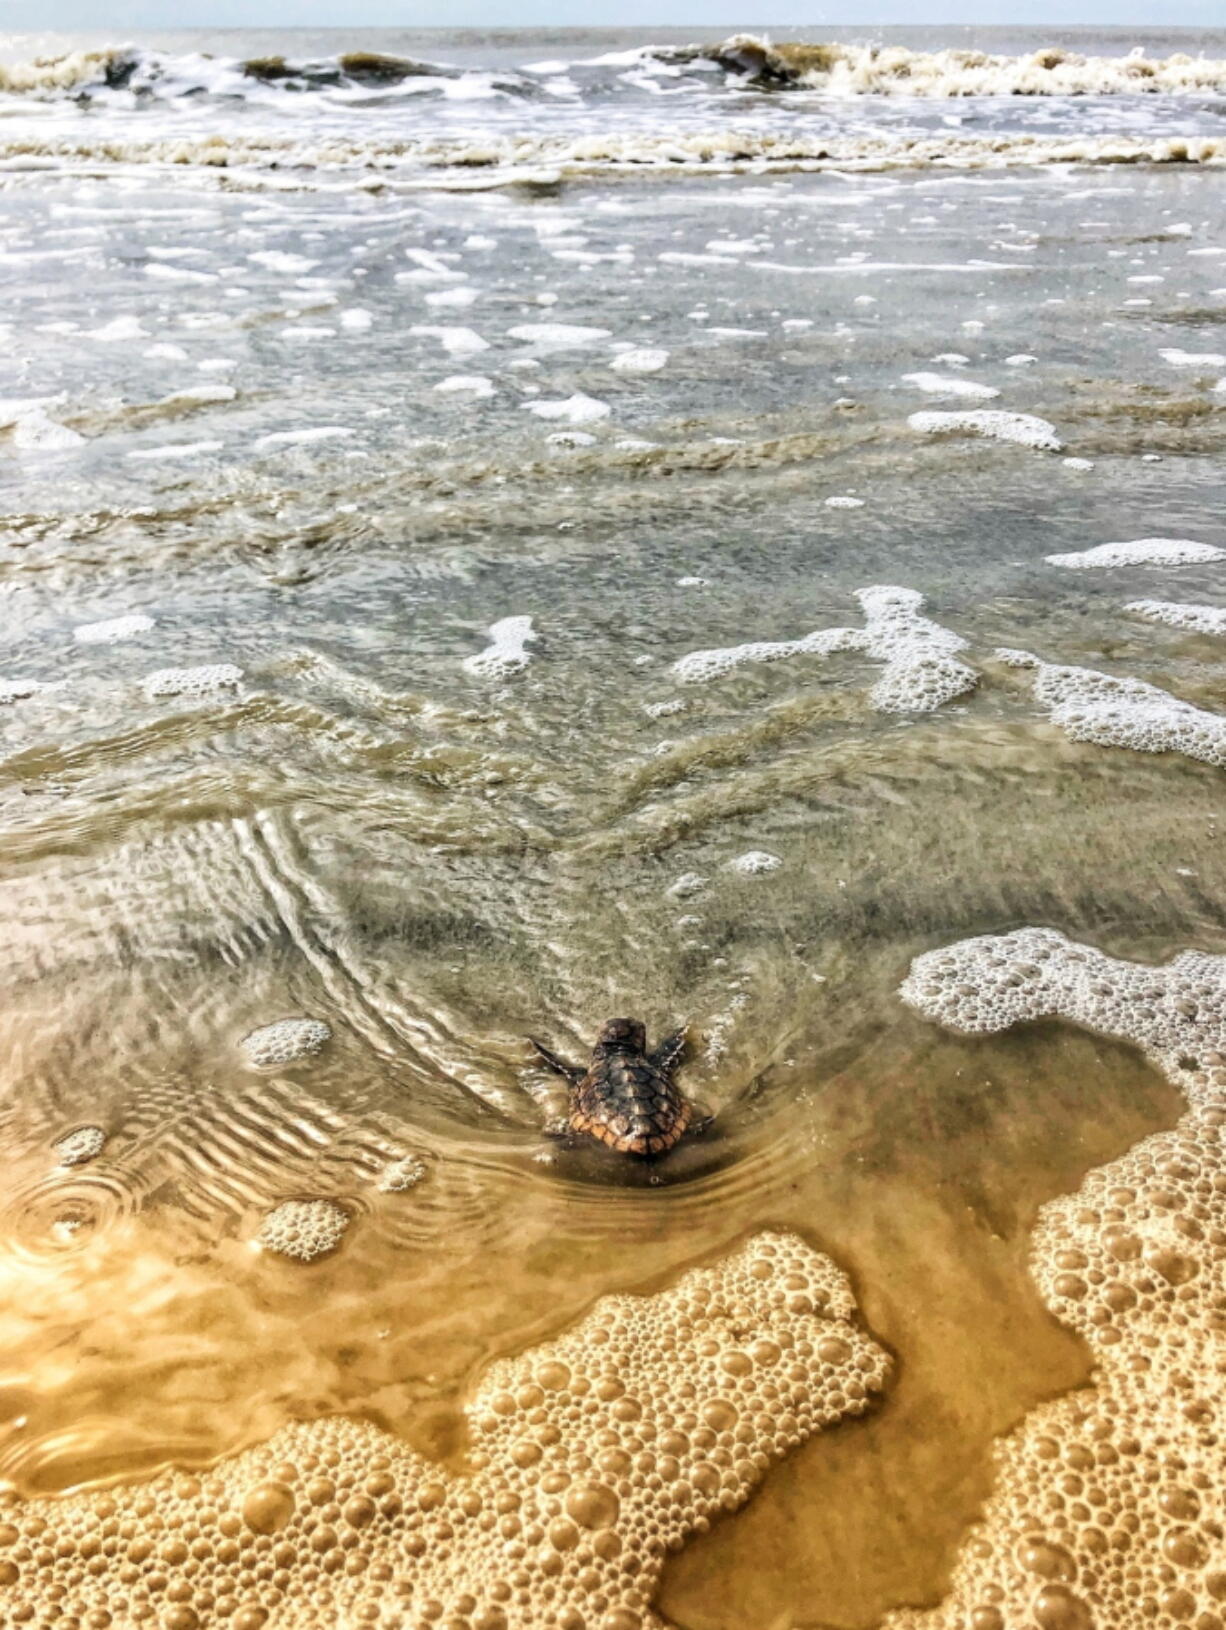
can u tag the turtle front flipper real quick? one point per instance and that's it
(667, 1053)
(571, 1072)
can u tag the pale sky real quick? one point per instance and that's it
(126, 18)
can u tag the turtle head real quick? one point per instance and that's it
(623, 1035)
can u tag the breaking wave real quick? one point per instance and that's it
(146, 76)
(744, 62)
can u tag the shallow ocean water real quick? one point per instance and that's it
(307, 430)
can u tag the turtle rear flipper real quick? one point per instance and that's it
(667, 1053)
(571, 1072)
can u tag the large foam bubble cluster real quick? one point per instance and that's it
(1141, 552)
(591, 1458)
(1098, 707)
(203, 681)
(285, 1042)
(990, 983)
(80, 1147)
(303, 1229)
(1109, 1511)
(921, 671)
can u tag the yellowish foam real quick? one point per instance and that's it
(1109, 1506)
(591, 1458)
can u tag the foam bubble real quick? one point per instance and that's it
(558, 336)
(35, 432)
(477, 386)
(1199, 619)
(118, 329)
(507, 653)
(303, 1229)
(18, 690)
(402, 1174)
(844, 501)
(754, 862)
(943, 385)
(178, 449)
(576, 409)
(640, 359)
(202, 681)
(921, 670)
(1111, 712)
(1023, 428)
(79, 1147)
(1141, 552)
(688, 883)
(570, 439)
(1193, 359)
(697, 667)
(458, 296)
(280, 260)
(457, 342)
(285, 1041)
(299, 438)
(112, 629)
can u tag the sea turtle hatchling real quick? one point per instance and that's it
(626, 1097)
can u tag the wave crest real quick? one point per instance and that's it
(746, 60)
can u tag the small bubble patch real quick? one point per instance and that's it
(1196, 619)
(112, 630)
(202, 681)
(1025, 429)
(1111, 712)
(508, 651)
(81, 1146)
(303, 1229)
(921, 671)
(402, 1174)
(285, 1042)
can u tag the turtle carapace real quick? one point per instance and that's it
(626, 1097)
